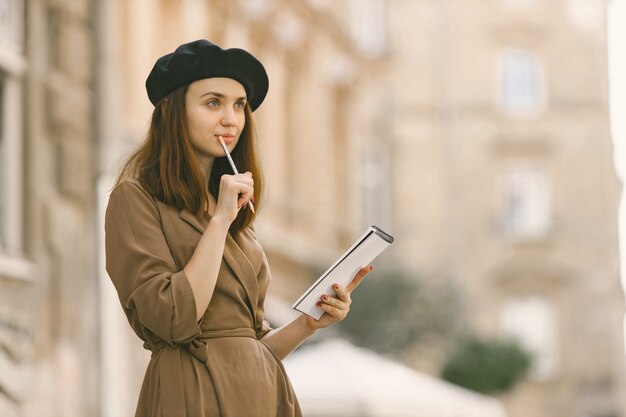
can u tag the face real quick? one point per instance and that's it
(215, 107)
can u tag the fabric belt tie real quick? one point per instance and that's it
(171, 370)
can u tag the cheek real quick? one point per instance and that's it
(197, 122)
(191, 119)
(195, 128)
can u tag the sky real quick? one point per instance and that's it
(617, 97)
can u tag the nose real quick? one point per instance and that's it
(228, 117)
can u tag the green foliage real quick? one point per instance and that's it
(487, 366)
(391, 312)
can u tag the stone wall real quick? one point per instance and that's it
(60, 147)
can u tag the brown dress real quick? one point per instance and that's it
(217, 366)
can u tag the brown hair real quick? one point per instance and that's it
(167, 166)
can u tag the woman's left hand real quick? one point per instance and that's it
(336, 308)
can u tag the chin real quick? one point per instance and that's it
(204, 154)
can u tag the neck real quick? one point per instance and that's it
(207, 165)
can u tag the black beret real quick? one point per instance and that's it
(202, 59)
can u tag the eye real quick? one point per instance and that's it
(240, 104)
(213, 103)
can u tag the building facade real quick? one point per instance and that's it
(49, 345)
(475, 131)
(501, 133)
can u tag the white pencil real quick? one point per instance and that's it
(232, 164)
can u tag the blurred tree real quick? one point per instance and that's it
(486, 366)
(392, 312)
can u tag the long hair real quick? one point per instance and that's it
(166, 165)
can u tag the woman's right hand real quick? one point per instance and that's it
(235, 191)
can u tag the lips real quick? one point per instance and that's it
(228, 139)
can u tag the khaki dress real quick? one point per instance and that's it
(217, 366)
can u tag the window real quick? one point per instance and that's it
(526, 203)
(531, 321)
(376, 190)
(10, 164)
(12, 66)
(368, 23)
(3, 162)
(11, 12)
(520, 82)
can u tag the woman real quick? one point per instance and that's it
(182, 254)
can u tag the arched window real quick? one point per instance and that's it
(521, 85)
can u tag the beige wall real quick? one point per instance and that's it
(48, 291)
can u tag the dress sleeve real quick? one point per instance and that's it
(156, 297)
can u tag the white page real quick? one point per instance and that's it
(342, 272)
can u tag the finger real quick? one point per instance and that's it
(342, 294)
(334, 313)
(238, 179)
(235, 190)
(242, 187)
(358, 278)
(244, 197)
(246, 177)
(243, 190)
(334, 302)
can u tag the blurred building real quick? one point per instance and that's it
(475, 131)
(49, 343)
(504, 181)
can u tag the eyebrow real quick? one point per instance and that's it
(220, 95)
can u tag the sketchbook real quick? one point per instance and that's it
(343, 271)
